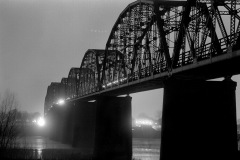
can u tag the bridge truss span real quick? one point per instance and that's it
(153, 40)
(173, 44)
(90, 71)
(73, 83)
(156, 37)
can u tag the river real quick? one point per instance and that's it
(143, 149)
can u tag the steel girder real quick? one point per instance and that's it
(153, 37)
(73, 83)
(91, 72)
(64, 83)
(55, 91)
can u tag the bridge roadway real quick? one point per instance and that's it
(224, 65)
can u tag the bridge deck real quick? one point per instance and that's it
(154, 40)
(216, 67)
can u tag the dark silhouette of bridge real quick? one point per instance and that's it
(158, 44)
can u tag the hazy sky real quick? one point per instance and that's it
(40, 40)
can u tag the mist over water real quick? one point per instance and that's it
(143, 148)
(39, 143)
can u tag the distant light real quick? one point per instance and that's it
(41, 122)
(109, 84)
(146, 122)
(61, 101)
(157, 127)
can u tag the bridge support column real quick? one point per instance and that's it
(84, 126)
(60, 122)
(113, 139)
(67, 122)
(199, 120)
(55, 123)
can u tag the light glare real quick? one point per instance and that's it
(41, 122)
(141, 122)
(60, 102)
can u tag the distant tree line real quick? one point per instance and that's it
(24, 116)
(12, 119)
(8, 131)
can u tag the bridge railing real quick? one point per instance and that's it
(206, 52)
(186, 59)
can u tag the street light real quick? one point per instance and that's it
(61, 102)
(40, 122)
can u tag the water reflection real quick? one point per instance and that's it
(143, 149)
(39, 143)
(146, 149)
(39, 152)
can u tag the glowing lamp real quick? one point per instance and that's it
(41, 122)
(61, 102)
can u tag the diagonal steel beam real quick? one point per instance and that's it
(191, 44)
(139, 39)
(211, 28)
(98, 71)
(184, 22)
(221, 25)
(163, 41)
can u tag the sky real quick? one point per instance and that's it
(40, 40)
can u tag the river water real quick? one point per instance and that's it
(143, 149)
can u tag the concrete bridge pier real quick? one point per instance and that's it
(199, 120)
(67, 124)
(84, 124)
(102, 129)
(113, 133)
(74, 124)
(55, 123)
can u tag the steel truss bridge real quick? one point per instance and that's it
(153, 40)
